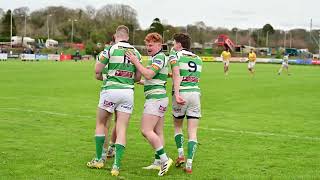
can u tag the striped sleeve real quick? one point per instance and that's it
(173, 59)
(104, 56)
(158, 63)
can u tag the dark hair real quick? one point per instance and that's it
(184, 39)
(226, 48)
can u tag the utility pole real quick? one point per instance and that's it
(290, 39)
(284, 40)
(25, 25)
(72, 24)
(48, 31)
(236, 37)
(310, 30)
(267, 39)
(249, 37)
(11, 28)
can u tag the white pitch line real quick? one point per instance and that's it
(202, 128)
(45, 112)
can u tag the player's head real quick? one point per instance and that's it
(226, 48)
(251, 50)
(122, 33)
(153, 43)
(181, 41)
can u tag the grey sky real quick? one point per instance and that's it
(281, 14)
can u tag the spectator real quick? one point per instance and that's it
(77, 55)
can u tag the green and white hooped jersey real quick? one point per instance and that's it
(105, 69)
(120, 71)
(156, 87)
(190, 69)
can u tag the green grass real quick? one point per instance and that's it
(266, 127)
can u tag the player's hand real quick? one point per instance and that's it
(179, 99)
(132, 57)
(170, 75)
(141, 82)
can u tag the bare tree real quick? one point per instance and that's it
(91, 12)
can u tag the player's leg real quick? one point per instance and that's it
(102, 117)
(121, 131)
(249, 67)
(123, 111)
(105, 145)
(179, 112)
(153, 113)
(111, 147)
(148, 125)
(148, 130)
(287, 68)
(193, 115)
(280, 70)
(226, 68)
(253, 68)
(159, 131)
(178, 138)
(192, 142)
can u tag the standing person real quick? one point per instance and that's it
(226, 56)
(116, 96)
(285, 65)
(252, 57)
(190, 69)
(156, 98)
(175, 75)
(109, 146)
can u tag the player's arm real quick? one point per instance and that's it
(101, 62)
(98, 70)
(147, 73)
(175, 73)
(176, 84)
(137, 75)
(173, 62)
(176, 79)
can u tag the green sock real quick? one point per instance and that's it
(192, 146)
(179, 140)
(119, 152)
(163, 156)
(156, 156)
(99, 146)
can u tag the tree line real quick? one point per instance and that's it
(93, 26)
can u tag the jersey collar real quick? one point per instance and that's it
(157, 53)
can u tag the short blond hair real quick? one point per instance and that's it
(122, 31)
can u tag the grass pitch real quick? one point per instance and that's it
(266, 127)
